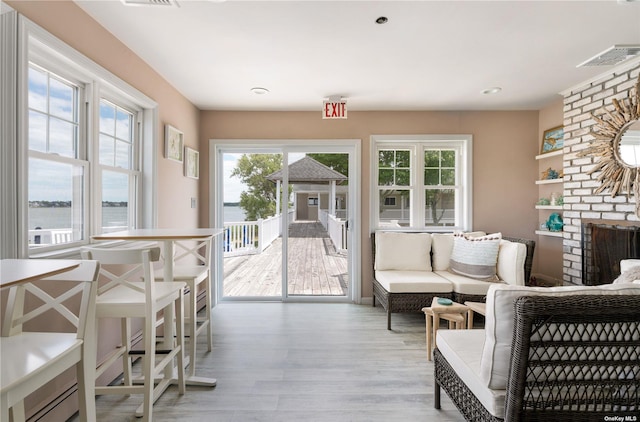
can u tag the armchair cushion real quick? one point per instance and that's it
(403, 251)
(500, 316)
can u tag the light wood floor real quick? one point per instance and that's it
(315, 268)
(304, 362)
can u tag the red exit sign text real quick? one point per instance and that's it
(334, 110)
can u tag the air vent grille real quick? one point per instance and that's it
(170, 3)
(613, 56)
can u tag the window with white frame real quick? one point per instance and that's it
(422, 182)
(85, 131)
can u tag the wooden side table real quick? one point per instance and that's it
(477, 307)
(455, 313)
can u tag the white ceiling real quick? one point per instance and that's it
(431, 55)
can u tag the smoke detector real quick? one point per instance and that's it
(613, 56)
(170, 3)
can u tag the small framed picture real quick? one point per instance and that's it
(173, 143)
(191, 163)
(552, 140)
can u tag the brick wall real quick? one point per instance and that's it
(580, 202)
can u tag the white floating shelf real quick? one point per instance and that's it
(549, 207)
(549, 233)
(549, 154)
(549, 181)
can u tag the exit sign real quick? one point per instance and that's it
(334, 109)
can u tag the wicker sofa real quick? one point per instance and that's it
(560, 354)
(409, 291)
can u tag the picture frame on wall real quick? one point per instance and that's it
(552, 140)
(191, 163)
(173, 144)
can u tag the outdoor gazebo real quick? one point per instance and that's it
(308, 171)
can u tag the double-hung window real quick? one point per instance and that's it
(84, 131)
(421, 182)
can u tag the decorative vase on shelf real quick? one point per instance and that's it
(555, 223)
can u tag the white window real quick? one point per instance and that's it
(421, 182)
(84, 132)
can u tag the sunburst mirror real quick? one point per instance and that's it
(616, 145)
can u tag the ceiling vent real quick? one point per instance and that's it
(170, 3)
(613, 56)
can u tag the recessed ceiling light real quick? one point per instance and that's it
(259, 91)
(382, 20)
(491, 91)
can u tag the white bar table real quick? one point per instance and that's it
(15, 271)
(167, 237)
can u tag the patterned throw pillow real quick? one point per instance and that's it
(475, 257)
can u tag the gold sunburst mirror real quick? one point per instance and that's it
(616, 145)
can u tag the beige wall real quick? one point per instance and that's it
(504, 146)
(72, 25)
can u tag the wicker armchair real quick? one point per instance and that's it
(573, 358)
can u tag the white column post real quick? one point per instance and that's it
(278, 184)
(332, 199)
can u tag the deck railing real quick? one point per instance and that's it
(251, 237)
(336, 228)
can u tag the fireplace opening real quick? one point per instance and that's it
(603, 247)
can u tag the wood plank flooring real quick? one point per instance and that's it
(303, 362)
(315, 268)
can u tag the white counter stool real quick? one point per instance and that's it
(31, 359)
(125, 297)
(193, 266)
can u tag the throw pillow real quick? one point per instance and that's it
(628, 276)
(475, 257)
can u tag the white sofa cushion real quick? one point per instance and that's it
(463, 351)
(395, 281)
(441, 247)
(475, 257)
(511, 259)
(466, 285)
(499, 322)
(403, 251)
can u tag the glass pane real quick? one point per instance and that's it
(403, 159)
(431, 177)
(448, 177)
(448, 158)
(123, 155)
(395, 208)
(62, 137)
(431, 158)
(385, 178)
(37, 131)
(403, 177)
(123, 126)
(37, 90)
(107, 118)
(440, 207)
(61, 102)
(385, 159)
(107, 150)
(55, 203)
(115, 201)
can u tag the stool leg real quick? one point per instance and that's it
(429, 334)
(469, 319)
(436, 324)
(193, 323)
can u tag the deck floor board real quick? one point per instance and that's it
(314, 268)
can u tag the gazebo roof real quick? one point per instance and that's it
(308, 170)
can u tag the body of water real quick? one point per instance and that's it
(233, 214)
(60, 218)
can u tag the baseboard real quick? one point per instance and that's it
(366, 300)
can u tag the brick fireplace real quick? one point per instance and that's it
(581, 205)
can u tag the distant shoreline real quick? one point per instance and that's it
(67, 204)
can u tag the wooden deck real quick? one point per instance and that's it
(315, 268)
